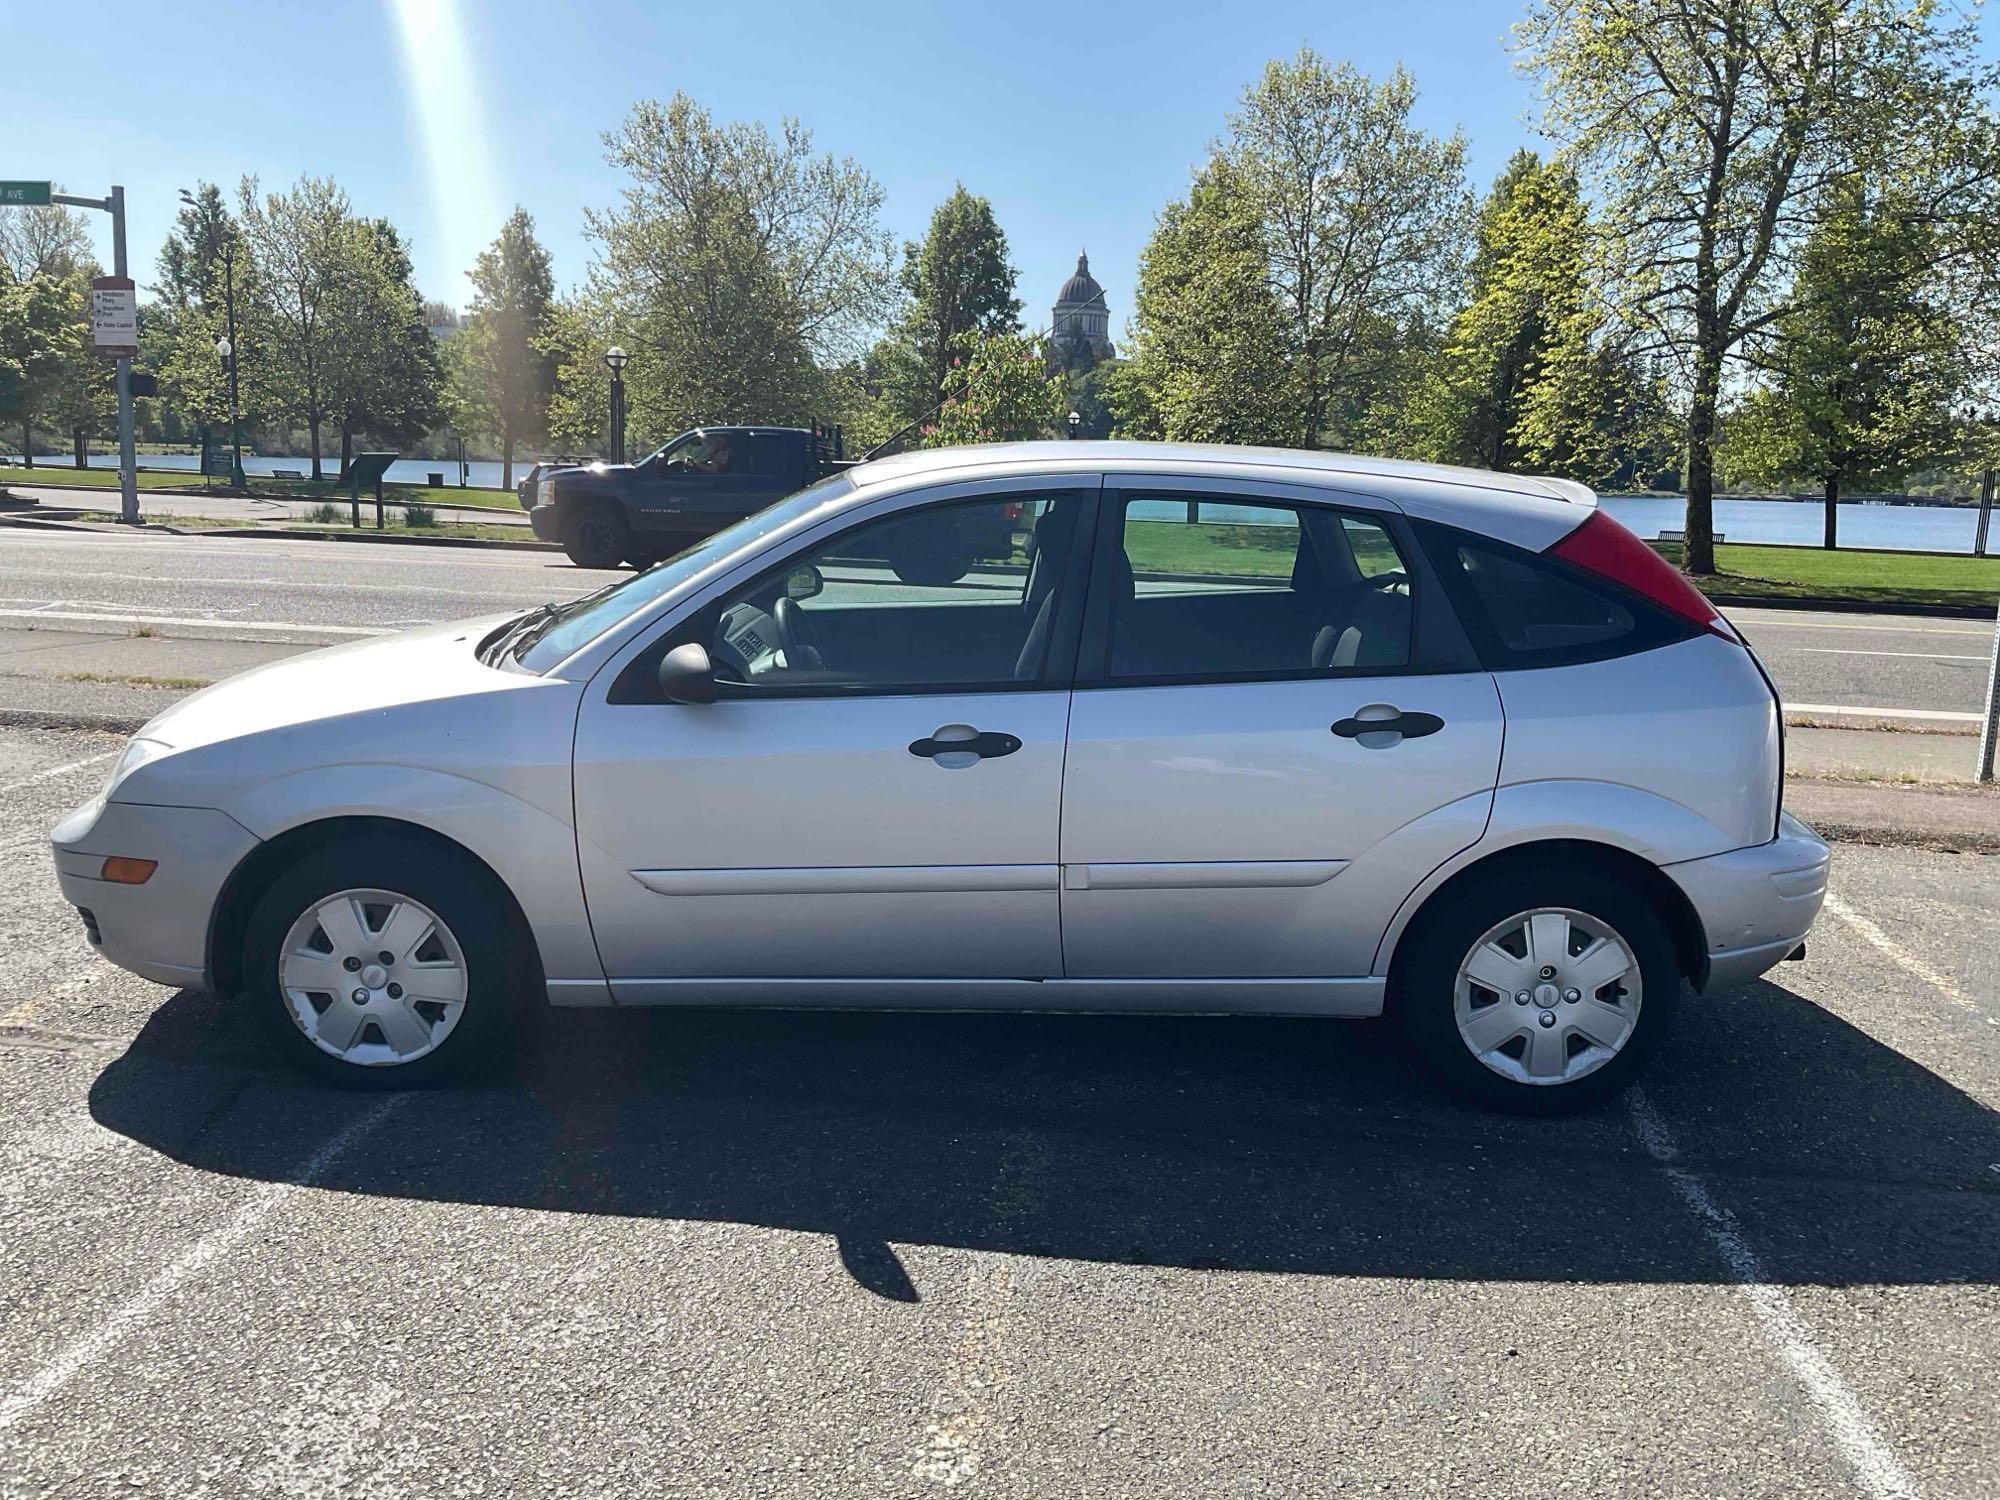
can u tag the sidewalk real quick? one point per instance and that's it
(157, 505)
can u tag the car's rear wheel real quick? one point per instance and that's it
(1541, 990)
(598, 537)
(384, 963)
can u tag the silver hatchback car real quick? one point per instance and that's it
(1098, 726)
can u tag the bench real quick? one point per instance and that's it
(288, 474)
(1681, 536)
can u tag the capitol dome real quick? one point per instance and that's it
(1080, 326)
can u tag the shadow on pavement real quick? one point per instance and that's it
(1244, 1144)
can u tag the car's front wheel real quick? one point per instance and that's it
(598, 537)
(1541, 990)
(384, 963)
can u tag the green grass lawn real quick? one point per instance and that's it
(288, 489)
(1867, 577)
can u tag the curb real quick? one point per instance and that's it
(373, 538)
(1961, 841)
(1832, 605)
(225, 493)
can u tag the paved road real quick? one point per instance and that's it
(789, 1254)
(271, 588)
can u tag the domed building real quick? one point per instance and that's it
(1080, 328)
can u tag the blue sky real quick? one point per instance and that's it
(1078, 122)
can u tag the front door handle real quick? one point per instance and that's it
(955, 746)
(1380, 725)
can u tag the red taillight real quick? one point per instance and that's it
(1601, 546)
(1011, 511)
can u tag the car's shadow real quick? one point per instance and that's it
(1244, 1144)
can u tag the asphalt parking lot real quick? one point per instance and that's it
(1030, 1255)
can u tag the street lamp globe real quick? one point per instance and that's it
(614, 359)
(223, 349)
(1075, 422)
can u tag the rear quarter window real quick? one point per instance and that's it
(1525, 610)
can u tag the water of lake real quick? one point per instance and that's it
(1915, 528)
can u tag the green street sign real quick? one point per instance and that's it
(24, 194)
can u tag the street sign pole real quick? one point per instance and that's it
(128, 457)
(125, 300)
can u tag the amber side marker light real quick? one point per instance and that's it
(123, 870)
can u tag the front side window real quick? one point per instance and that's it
(1221, 589)
(958, 596)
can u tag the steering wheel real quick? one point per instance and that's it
(796, 636)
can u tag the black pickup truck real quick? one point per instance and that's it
(702, 481)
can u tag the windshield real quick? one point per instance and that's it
(581, 621)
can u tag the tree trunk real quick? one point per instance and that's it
(1698, 554)
(27, 443)
(313, 426)
(77, 439)
(346, 449)
(506, 460)
(1832, 513)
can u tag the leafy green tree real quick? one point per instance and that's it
(44, 331)
(505, 373)
(1208, 328)
(959, 281)
(1862, 371)
(1714, 131)
(205, 255)
(1362, 215)
(52, 240)
(305, 245)
(385, 377)
(575, 338)
(1002, 391)
(737, 267)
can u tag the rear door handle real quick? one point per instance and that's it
(1380, 725)
(955, 746)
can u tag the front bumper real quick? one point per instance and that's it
(1756, 904)
(158, 930)
(546, 522)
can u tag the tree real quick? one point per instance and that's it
(1362, 216)
(1862, 369)
(305, 245)
(737, 267)
(505, 372)
(959, 281)
(44, 322)
(52, 240)
(1715, 130)
(205, 260)
(1002, 391)
(1208, 328)
(385, 377)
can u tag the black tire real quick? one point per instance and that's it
(1424, 980)
(598, 537)
(459, 891)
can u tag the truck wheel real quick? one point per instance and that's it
(598, 538)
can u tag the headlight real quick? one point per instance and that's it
(136, 755)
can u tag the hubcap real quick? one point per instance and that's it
(1575, 992)
(372, 977)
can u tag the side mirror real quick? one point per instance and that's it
(686, 675)
(804, 582)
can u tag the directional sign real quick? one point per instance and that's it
(25, 194)
(114, 316)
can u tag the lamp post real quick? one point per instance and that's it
(1075, 424)
(225, 347)
(614, 361)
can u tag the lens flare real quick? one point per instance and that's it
(441, 82)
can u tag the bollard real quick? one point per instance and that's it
(1992, 722)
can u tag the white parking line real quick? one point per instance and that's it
(1868, 1455)
(1793, 622)
(72, 1357)
(55, 771)
(1876, 938)
(1951, 714)
(1916, 655)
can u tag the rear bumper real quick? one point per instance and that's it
(158, 930)
(1757, 904)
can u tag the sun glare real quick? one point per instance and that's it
(467, 205)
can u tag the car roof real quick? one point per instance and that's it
(1169, 458)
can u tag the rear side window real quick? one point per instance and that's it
(1526, 610)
